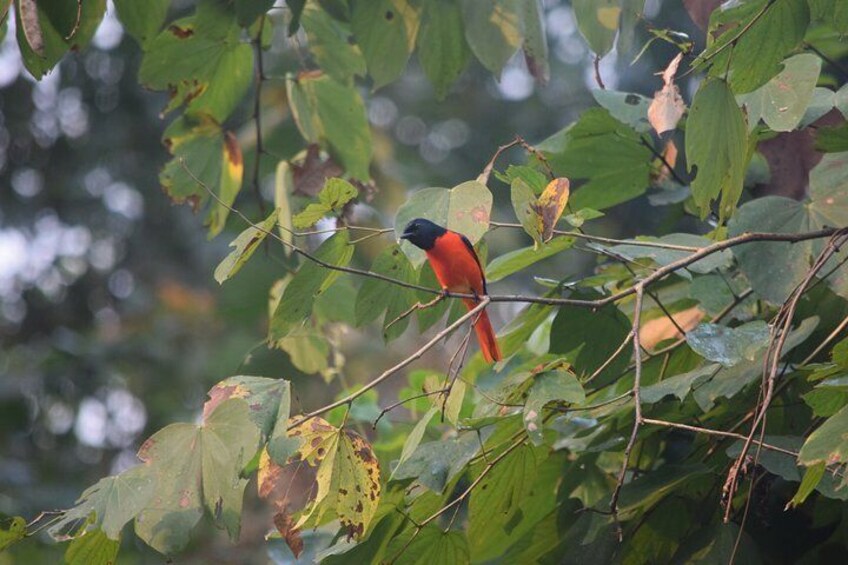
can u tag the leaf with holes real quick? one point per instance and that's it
(346, 483)
(386, 31)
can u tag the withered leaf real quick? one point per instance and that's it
(667, 107)
(551, 205)
(342, 476)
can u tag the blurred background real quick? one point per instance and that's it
(111, 325)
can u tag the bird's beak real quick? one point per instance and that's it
(406, 235)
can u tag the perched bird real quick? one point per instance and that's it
(458, 270)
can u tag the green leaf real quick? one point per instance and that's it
(783, 101)
(465, 208)
(494, 30)
(535, 41)
(524, 202)
(520, 259)
(92, 548)
(434, 464)
(626, 107)
(385, 30)
(597, 21)
(442, 49)
(829, 443)
(248, 11)
(415, 436)
(49, 25)
(307, 348)
(430, 546)
(332, 114)
(210, 75)
(712, 293)
(831, 12)
(283, 187)
(497, 500)
(376, 297)
(245, 244)
(113, 501)
(142, 20)
(773, 268)
(772, 30)
(606, 153)
(332, 198)
(206, 159)
(295, 306)
(427, 317)
(678, 385)
(728, 346)
(588, 338)
(330, 42)
(580, 217)
(267, 399)
(196, 465)
(716, 147)
(649, 489)
(727, 382)
(12, 531)
(825, 402)
(547, 387)
(774, 462)
(812, 477)
(832, 139)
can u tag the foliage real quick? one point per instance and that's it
(609, 414)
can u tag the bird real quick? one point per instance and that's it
(457, 269)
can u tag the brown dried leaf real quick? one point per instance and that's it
(550, 206)
(310, 175)
(285, 525)
(667, 106)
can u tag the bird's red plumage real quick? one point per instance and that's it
(458, 270)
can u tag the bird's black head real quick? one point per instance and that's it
(422, 233)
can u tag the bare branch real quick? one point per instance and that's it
(637, 419)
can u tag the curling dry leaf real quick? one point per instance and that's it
(550, 206)
(344, 484)
(667, 107)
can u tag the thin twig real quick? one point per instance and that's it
(657, 275)
(637, 399)
(598, 79)
(719, 433)
(484, 301)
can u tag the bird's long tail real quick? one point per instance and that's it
(485, 334)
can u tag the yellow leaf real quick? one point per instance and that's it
(608, 16)
(337, 469)
(550, 206)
